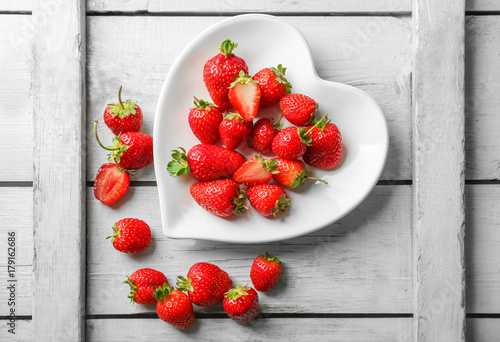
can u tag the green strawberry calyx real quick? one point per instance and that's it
(227, 47)
(162, 292)
(280, 206)
(179, 165)
(237, 292)
(242, 78)
(202, 104)
(270, 258)
(303, 132)
(237, 116)
(268, 164)
(321, 125)
(133, 288)
(302, 177)
(116, 150)
(279, 72)
(239, 201)
(184, 284)
(116, 232)
(277, 125)
(122, 109)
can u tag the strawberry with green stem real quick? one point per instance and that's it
(174, 307)
(325, 148)
(256, 170)
(291, 173)
(123, 117)
(205, 162)
(241, 304)
(220, 71)
(268, 199)
(265, 272)
(131, 150)
(244, 94)
(130, 235)
(233, 130)
(221, 197)
(263, 133)
(291, 142)
(299, 109)
(142, 285)
(204, 120)
(273, 85)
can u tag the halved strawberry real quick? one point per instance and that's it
(244, 94)
(255, 170)
(111, 183)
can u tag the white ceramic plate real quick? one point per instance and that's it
(315, 205)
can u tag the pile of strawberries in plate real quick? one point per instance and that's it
(221, 170)
(205, 284)
(131, 150)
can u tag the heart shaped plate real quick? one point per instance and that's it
(314, 205)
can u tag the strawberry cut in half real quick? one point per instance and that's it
(244, 94)
(256, 170)
(111, 183)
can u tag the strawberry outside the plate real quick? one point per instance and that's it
(221, 197)
(131, 235)
(111, 183)
(241, 304)
(205, 162)
(220, 71)
(142, 285)
(174, 307)
(130, 150)
(265, 272)
(123, 116)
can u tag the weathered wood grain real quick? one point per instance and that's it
(439, 167)
(59, 172)
(241, 6)
(262, 329)
(482, 5)
(360, 264)
(482, 97)
(23, 332)
(16, 106)
(371, 53)
(16, 207)
(482, 247)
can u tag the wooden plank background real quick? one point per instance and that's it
(482, 166)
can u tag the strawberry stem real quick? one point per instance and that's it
(120, 97)
(109, 148)
(316, 124)
(227, 47)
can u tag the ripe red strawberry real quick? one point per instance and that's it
(204, 120)
(263, 134)
(244, 94)
(123, 116)
(298, 108)
(142, 285)
(291, 173)
(268, 199)
(273, 85)
(206, 284)
(174, 307)
(130, 235)
(326, 146)
(291, 142)
(220, 71)
(255, 170)
(205, 162)
(241, 304)
(111, 183)
(234, 130)
(265, 272)
(131, 150)
(220, 197)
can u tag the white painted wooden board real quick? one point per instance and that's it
(15, 5)
(262, 329)
(482, 97)
(371, 53)
(59, 172)
(16, 208)
(16, 106)
(439, 170)
(360, 264)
